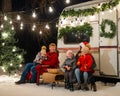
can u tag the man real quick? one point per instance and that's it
(51, 62)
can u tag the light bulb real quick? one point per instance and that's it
(50, 9)
(5, 17)
(18, 17)
(67, 1)
(34, 15)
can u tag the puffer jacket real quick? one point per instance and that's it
(71, 62)
(86, 62)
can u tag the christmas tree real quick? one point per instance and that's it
(11, 56)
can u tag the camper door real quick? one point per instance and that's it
(108, 47)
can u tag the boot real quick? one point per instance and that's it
(20, 82)
(71, 87)
(78, 87)
(93, 87)
(85, 87)
(67, 85)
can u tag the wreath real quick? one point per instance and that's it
(112, 31)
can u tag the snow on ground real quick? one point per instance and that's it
(8, 88)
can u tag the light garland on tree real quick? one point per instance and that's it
(11, 55)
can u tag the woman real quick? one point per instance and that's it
(84, 64)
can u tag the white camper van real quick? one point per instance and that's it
(103, 18)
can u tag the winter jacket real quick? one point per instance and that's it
(52, 60)
(86, 62)
(70, 62)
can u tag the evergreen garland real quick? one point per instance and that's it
(90, 11)
(87, 28)
(112, 25)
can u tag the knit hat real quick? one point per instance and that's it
(85, 50)
(43, 47)
(68, 51)
(85, 44)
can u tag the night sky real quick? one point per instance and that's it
(30, 41)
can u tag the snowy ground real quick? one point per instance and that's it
(8, 88)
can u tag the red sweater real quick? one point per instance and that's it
(85, 62)
(52, 60)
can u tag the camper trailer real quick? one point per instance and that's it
(97, 22)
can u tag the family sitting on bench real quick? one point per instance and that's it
(78, 67)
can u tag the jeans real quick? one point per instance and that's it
(69, 76)
(29, 67)
(81, 76)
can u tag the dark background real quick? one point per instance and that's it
(30, 41)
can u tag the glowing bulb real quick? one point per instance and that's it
(18, 17)
(34, 15)
(19, 56)
(3, 68)
(40, 32)
(56, 25)
(67, 1)
(11, 64)
(20, 65)
(34, 26)
(50, 9)
(33, 29)
(4, 35)
(10, 21)
(2, 26)
(12, 28)
(47, 26)
(3, 44)
(21, 24)
(21, 27)
(5, 17)
(14, 49)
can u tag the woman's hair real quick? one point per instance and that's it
(52, 44)
(85, 50)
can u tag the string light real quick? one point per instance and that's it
(20, 65)
(34, 26)
(34, 15)
(5, 18)
(1, 26)
(11, 64)
(4, 35)
(50, 9)
(3, 68)
(21, 24)
(21, 27)
(12, 28)
(19, 56)
(47, 26)
(18, 17)
(14, 49)
(33, 29)
(3, 44)
(67, 1)
(11, 22)
(40, 32)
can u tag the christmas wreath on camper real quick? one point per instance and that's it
(107, 34)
